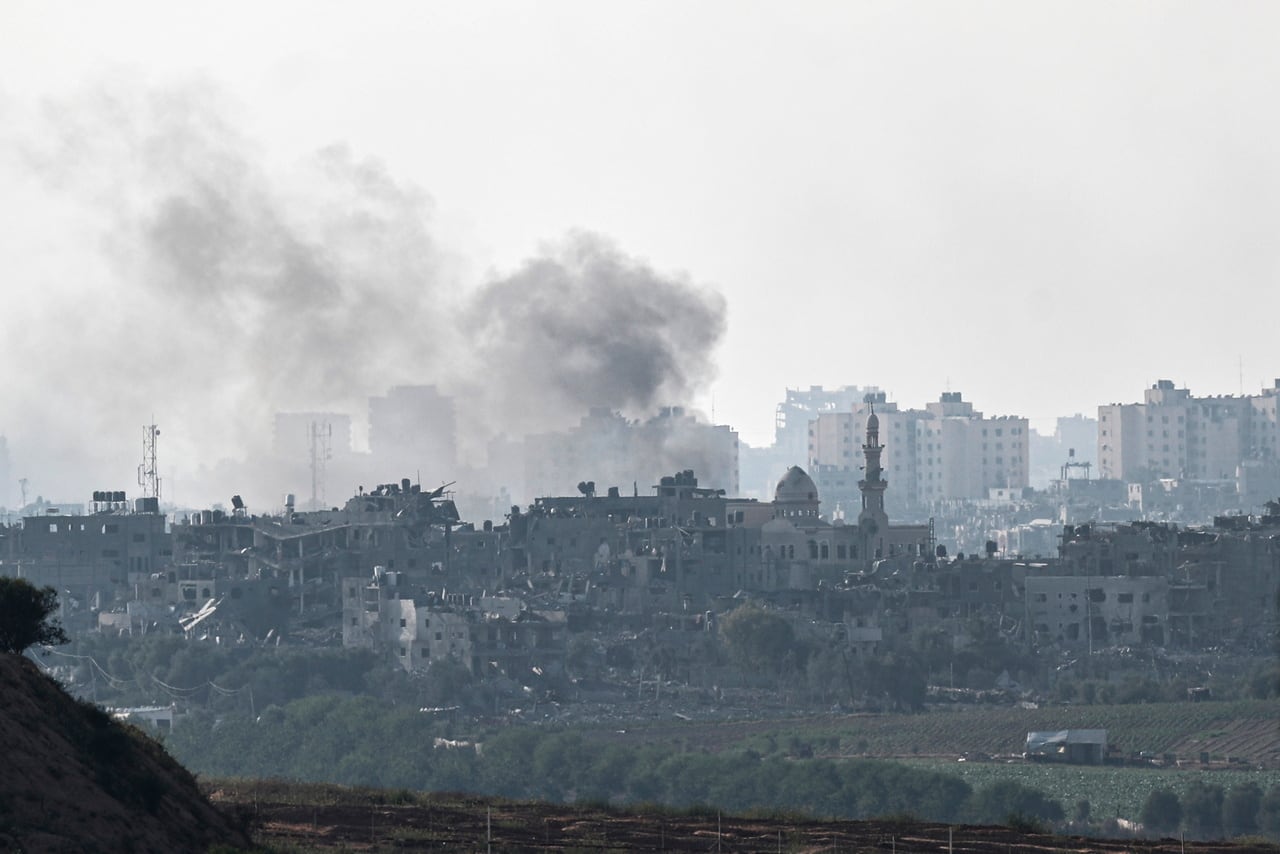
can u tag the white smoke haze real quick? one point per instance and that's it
(168, 270)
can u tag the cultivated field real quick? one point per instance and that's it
(1245, 731)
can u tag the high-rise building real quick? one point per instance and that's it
(944, 452)
(801, 407)
(413, 428)
(610, 450)
(1172, 434)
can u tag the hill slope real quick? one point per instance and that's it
(73, 779)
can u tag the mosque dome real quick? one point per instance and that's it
(796, 487)
(873, 422)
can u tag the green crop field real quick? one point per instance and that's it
(1111, 792)
(1243, 729)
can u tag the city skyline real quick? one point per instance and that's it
(1046, 208)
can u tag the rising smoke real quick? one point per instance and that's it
(586, 326)
(171, 271)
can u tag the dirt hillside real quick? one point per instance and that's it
(72, 779)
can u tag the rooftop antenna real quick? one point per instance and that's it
(148, 472)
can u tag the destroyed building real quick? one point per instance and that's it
(490, 636)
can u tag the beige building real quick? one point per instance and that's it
(945, 452)
(1096, 611)
(1172, 434)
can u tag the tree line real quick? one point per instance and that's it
(1206, 810)
(361, 741)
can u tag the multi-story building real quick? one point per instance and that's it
(803, 406)
(413, 428)
(487, 635)
(612, 450)
(1095, 611)
(1172, 434)
(946, 452)
(100, 553)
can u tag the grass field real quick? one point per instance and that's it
(1245, 730)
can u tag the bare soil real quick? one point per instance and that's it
(72, 779)
(459, 823)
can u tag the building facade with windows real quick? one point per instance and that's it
(1174, 435)
(945, 452)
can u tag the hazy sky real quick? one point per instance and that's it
(1044, 206)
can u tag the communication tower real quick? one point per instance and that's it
(321, 435)
(148, 471)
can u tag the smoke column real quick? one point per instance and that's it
(586, 326)
(162, 267)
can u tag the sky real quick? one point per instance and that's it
(1044, 206)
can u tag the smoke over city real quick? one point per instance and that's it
(587, 326)
(228, 287)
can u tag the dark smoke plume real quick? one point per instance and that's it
(174, 272)
(587, 326)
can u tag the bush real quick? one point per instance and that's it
(25, 612)
(1162, 812)
(1240, 809)
(1202, 810)
(1005, 801)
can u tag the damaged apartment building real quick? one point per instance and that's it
(489, 635)
(1146, 582)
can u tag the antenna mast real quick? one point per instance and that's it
(148, 471)
(321, 433)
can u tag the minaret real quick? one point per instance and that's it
(873, 523)
(874, 484)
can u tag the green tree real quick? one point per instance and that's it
(757, 639)
(1240, 809)
(25, 615)
(1005, 801)
(1269, 812)
(1162, 811)
(1202, 810)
